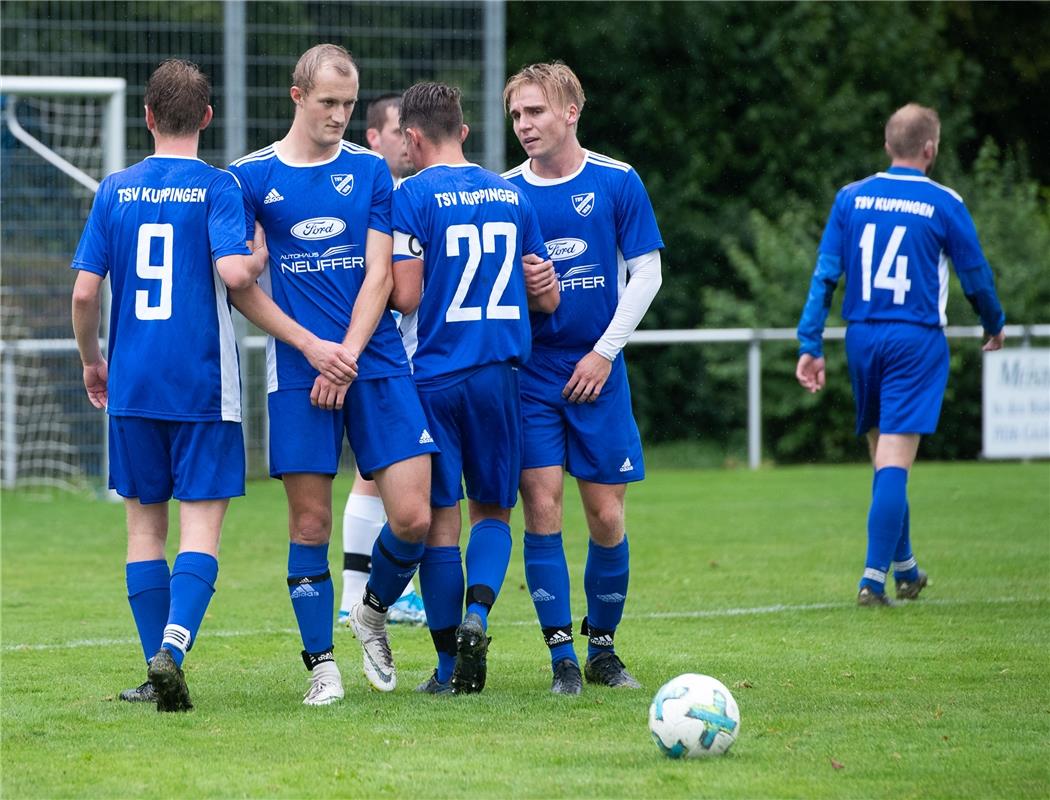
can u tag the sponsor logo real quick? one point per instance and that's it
(542, 596)
(272, 196)
(578, 278)
(627, 466)
(304, 590)
(615, 597)
(318, 228)
(339, 248)
(559, 636)
(604, 640)
(564, 249)
(425, 437)
(583, 203)
(344, 184)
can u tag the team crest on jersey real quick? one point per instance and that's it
(583, 203)
(344, 184)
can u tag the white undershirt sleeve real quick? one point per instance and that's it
(642, 287)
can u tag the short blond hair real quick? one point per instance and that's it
(557, 82)
(909, 128)
(317, 58)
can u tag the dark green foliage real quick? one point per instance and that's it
(743, 120)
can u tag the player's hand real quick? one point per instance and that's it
(96, 378)
(995, 342)
(590, 375)
(328, 395)
(540, 276)
(810, 373)
(333, 360)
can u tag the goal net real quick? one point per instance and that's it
(60, 136)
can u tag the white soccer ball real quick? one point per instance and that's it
(693, 716)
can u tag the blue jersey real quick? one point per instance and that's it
(156, 229)
(593, 221)
(317, 217)
(471, 228)
(894, 233)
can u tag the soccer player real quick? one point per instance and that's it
(602, 234)
(325, 207)
(168, 232)
(459, 235)
(364, 517)
(892, 234)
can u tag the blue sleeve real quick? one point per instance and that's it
(248, 202)
(379, 218)
(636, 230)
(93, 251)
(225, 214)
(532, 236)
(962, 244)
(405, 220)
(979, 287)
(815, 313)
(831, 241)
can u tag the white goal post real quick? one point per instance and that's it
(33, 446)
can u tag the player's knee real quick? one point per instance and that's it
(411, 523)
(311, 527)
(607, 525)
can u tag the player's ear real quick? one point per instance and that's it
(464, 132)
(572, 114)
(209, 113)
(886, 147)
(151, 122)
(297, 95)
(372, 137)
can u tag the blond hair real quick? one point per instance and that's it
(558, 83)
(317, 58)
(909, 128)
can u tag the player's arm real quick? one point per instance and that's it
(541, 284)
(592, 371)
(810, 368)
(240, 271)
(331, 359)
(407, 272)
(87, 316)
(372, 299)
(975, 276)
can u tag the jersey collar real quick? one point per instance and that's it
(905, 171)
(534, 179)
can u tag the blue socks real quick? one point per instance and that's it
(889, 504)
(488, 555)
(192, 585)
(547, 576)
(149, 598)
(441, 584)
(394, 562)
(905, 568)
(605, 582)
(310, 586)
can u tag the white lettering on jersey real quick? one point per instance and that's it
(894, 204)
(169, 194)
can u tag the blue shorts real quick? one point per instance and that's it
(157, 459)
(477, 422)
(899, 372)
(595, 442)
(381, 417)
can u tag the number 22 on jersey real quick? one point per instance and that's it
(479, 243)
(898, 283)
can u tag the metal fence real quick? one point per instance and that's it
(249, 50)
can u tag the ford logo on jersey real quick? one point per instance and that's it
(318, 228)
(564, 249)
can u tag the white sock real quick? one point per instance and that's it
(363, 518)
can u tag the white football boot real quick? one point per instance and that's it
(369, 626)
(326, 685)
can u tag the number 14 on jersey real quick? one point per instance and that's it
(898, 282)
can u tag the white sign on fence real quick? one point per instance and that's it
(1016, 410)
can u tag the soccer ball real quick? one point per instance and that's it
(693, 716)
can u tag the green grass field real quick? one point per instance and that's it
(750, 577)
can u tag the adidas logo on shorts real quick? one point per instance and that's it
(272, 196)
(425, 437)
(627, 466)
